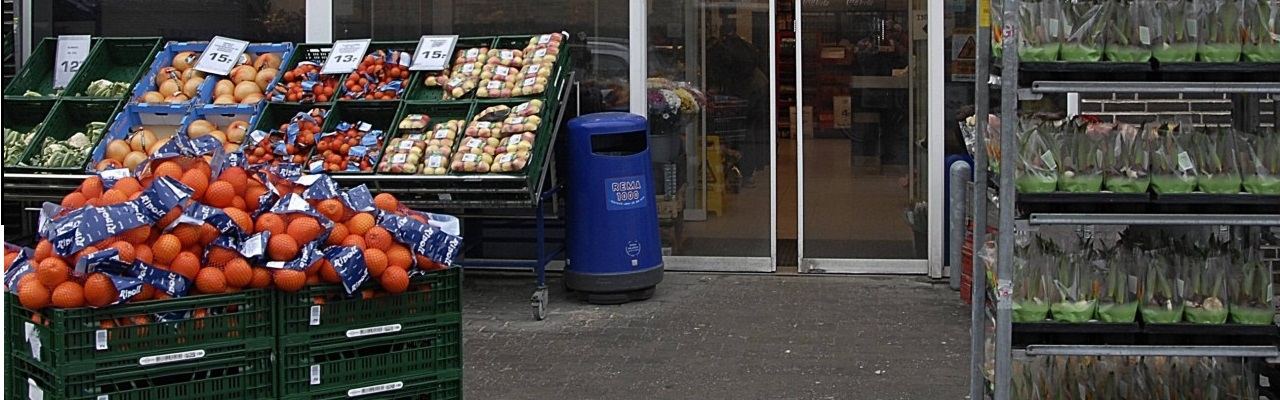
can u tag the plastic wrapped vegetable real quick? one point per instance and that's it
(1129, 161)
(1173, 168)
(1042, 34)
(1205, 280)
(1161, 300)
(1262, 30)
(1084, 27)
(1250, 290)
(1260, 161)
(1179, 31)
(1083, 153)
(1118, 300)
(1220, 21)
(1031, 282)
(1130, 31)
(1215, 154)
(1037, 169)
(1075, 297)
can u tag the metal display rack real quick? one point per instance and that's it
(1018, 80)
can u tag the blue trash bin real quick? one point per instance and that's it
(612, 250)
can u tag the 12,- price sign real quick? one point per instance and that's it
(433, 52)
(221, 55)
(72, 50)
(345, 56)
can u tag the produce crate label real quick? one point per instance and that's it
(475, 142)
(377, 330)
(316, 167)
(501, 71)
(533, 69)
(322, 188)
(314, 319)
(88, 263)
(416, 136)
(1144, 35)
(170, 283)
(625, 193)
(400, 158)
(1049, 162)
(254, 248)
(345, 56)
(1184, 162)
(371, 139)
(100, 340)
(21, 267)
(470, 157)
(540, 53)
(432, 53)
(405, 145)
(111, 176)
(203, 214)
(349, 263)
(1053, 27)
(359, 198)
(71, 52)
(315, 374)
(1193, 27)
(33, 390)
(472, 53)
(494, 85)
(171, 358)
(386, 387)
(544, 39)
(455, 82)
(435, 161)
(467, 69)
(221, 55)
(426, 240)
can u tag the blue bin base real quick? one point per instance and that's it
(614, 288)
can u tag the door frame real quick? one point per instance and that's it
(932, 265)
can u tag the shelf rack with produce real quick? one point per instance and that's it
(1016, 80)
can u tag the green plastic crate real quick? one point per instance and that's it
(405, 46)
(37, 72)
(313, 52)
(306, 368)
(418, 90)
(67, 118)
(117, 60)
(69, 339)
(440, 386)
(24, 115)
(438, 112)
(300, 319)
(249, 376)
(381, 114)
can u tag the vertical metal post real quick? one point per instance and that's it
(1008, 139)
(1244, 112)
(958, 179)
(978, 284)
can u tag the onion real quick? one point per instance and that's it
(247, 88)
(190, 87)
(267, 60)
(184, 60)
(224, 86)
(134, 158)
(225, 99)
(170, 87)
(230, 147)
(177, 98)
(166, 74)
(157, 144)
(141, 139)
(200, 128)
(221, 136)
(151, 97)
(243, 73)
(117, 149)
(109, 163)
(252, 99)
(236, 131)
(265, 76)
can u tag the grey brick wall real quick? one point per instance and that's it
(1204, 109)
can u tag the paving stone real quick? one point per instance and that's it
(713, 336)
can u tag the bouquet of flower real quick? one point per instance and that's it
(1129, 161)
(1042, 34)
(1260, 161)
(1250, 290)
(1177, 34)
(1076, 283)
(1031, 281)
(1173, 168)
(1037, 169)
(1083, 155)
(1161, 297)
(1118, 301)
(1085, 25)
(1262, 30)
(1204, 277)
(1221, 20)
(1129, 34)
(1215, 153)
(672, 105)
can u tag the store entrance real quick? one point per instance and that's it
(859, 159)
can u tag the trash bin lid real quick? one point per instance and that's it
(604, 123)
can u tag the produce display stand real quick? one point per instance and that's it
(1021, 80)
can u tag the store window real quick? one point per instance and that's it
(259, 21)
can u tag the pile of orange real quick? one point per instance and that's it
(189, 250)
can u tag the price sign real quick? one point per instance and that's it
(433, 52)
(221, 55)
(72, 50)
(345, 56)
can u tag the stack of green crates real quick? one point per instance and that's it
(206, 346)
(61, 112)
(409, 345)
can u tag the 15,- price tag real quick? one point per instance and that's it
(433, 52)
(345, 56)
(72, 50)
(221, 55)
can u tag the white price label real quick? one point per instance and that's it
(470, 157)
(540, 53)
(1049, 162)
(315, 374)
(435, 161)
(469, 68)
(386, 387)
(406, 144)
(515, 120)
(221, 55)
(345, 56)
(483, 124)
(494, 85)
(314, 319)
(377, 330)
(474, 142)
(399, 158)
(169, 358)
(433, 52)
(100, 339)
(530, 81)
(1053, 27)
(1184, 162)
(72, 50)
(501, 71)
(544, 39)
(1144, 34)
(1193, 27)
(33, 390)
(506, 158)
(533, 69)
(514, 140)
(442, 134)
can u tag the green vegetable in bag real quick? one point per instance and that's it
(1131, 31)
(1084, 27)
(1178, 32)
(1221, 22)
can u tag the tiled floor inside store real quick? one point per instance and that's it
(720, 336)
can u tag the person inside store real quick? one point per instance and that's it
(733, 70)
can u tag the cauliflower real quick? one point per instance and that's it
(79, 140)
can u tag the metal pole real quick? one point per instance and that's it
(1008, 137)
(978, 276)
(960, 176)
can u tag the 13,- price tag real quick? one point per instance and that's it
(433, 52)
(221, 55)
(72, 50)
(345, 56)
